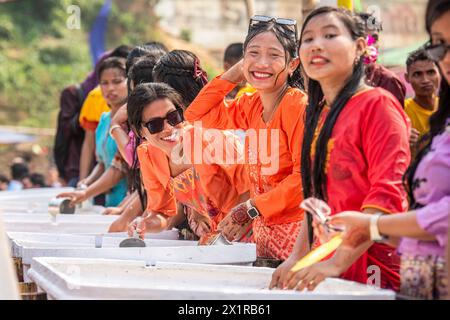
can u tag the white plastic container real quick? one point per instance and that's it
(71, 278)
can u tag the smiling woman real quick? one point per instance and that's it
(207, 191)
(271, 66)
(355, 148)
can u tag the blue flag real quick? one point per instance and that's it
(98, 32)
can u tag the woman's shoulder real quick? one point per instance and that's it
(293, 105)
(105, 116)
(295, 98)
(376, 95)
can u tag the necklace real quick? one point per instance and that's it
(277, 103)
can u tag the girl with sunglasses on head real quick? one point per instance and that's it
(355, 149)
(422, 233)
(271, 66)
(113, 84)
(169, 173)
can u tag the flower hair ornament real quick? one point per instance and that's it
(199, 72)
(371, 54)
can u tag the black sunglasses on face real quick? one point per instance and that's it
(173, 118)
(437, 52)
(255, 20)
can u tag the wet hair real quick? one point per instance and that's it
(149, 49)
(417, 55)
(112, 63)
(287, 39)
(19, 171)
(143, 95)
(435, 9)
(181, 70)
(313, 174)
(233, 53)
(121, 51)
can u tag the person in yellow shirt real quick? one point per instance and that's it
(92, 109)
(423, 75)
(90, 114)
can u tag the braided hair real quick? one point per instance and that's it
(181, 70)
(313, 174)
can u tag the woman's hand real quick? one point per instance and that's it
(120, 117)
(310, 277)
(83, 184)
(357, 227)
(137, 225)
(235, 74)
(112, 211)
(74, 196)
(236, 223)
(414, 137)
(281, 272)
(199, 223)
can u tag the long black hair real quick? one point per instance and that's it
(313, 175)
(143, 95)
(435, 9)
(182, 71)
(287, 39)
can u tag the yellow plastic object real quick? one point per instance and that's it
(318, 254)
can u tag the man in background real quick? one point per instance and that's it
(423, 75)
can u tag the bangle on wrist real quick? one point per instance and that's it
(111, 129)
(374, 232)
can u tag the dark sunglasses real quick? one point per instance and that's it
(437, 52)
(290, 23)
(173, 118)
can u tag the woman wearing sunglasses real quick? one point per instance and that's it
(276, 109)
(422, 233)
(169, 173)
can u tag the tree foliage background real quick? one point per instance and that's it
(40, 55)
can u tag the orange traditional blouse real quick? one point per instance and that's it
(210, 189)
(272, 150)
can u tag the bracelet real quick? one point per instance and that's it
(112, 129)
(374, 232)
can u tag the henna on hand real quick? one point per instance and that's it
(239, 214)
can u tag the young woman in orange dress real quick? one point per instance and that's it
(273, 119)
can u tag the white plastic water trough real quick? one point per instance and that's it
(29, 200)
(36, 201)
(71, 278)
(156, 250)
(45, 217)
(59, 227)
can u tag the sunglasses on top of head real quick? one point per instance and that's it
(290, 23)
(173, 118)
(437, 52)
